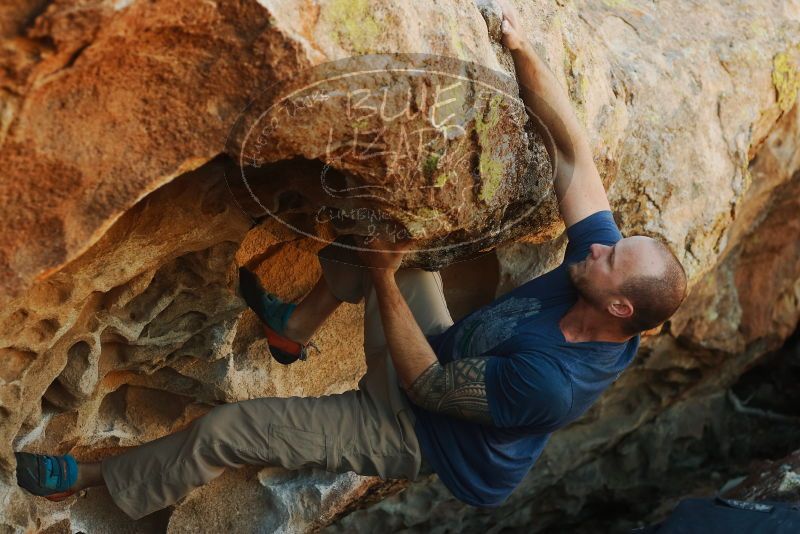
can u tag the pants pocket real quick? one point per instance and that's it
(292, 448)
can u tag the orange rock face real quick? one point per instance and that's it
(104, 105)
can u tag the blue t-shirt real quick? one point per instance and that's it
(536, 381)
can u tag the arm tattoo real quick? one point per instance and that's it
(457, 388)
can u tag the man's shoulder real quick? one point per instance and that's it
(598, 219)
(529, 389)
(552, 289)
(541, 370)
(599, 227)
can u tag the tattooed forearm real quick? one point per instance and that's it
(457, 388)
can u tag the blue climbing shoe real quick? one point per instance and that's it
(47, 476)
(274, 314)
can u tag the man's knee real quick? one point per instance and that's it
(217, 422)
(425, 296)
(412, 278)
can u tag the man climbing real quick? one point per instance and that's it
(474, 401)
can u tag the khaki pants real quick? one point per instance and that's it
(369, 430)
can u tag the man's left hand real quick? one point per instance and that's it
(382, 254)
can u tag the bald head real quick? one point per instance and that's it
(638, 280)
(655, 285)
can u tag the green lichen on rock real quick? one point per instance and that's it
(430, 165)
(456, 42)
(786, 78)
(424, 221)
(577, 81)
(443, 178)
(360, 124)
(747, 177)
(483, 124)
(429, 213)
(354, 24)
(490, 167)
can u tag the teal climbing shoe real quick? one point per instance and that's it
(47, 476)
(274, 314)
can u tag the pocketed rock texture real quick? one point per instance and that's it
(127, 148)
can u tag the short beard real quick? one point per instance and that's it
(589, 293)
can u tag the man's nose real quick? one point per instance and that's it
(596, 249)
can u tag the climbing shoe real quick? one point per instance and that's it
(274, 314)
(47, 476)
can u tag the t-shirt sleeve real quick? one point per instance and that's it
(599, 227)
(527, 390)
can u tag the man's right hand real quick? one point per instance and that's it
(512, 29)
(577, 182)
(381, 255)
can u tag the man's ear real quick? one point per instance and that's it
(621, 308)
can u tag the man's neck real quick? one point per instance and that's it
(583, 322)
